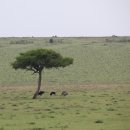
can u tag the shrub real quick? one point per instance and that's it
(51, 40)
(37, 129)
(32, 123)
(98, 121)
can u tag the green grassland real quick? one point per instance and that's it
(96, 60)
(92, 108)
(98, 84)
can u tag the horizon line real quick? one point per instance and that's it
(65, 36)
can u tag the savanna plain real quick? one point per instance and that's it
(98, 85)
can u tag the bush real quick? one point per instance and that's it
(55, 40)
(98, 121)
(51, 40)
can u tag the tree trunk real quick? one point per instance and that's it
(39, 85)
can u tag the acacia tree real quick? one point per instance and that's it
(38, 60)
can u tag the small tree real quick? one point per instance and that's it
(38, 60)
(51, 40)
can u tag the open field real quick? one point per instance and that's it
(92, 107)
(96, 60)
(98, 84)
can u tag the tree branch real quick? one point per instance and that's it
(35, 72)
(32, 69)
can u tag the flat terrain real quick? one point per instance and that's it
(94, 107)
(96, 60)
(98, 84)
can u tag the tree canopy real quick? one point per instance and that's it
(36, 60)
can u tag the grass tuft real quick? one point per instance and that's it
(110, 109)
(98, 121)
(37, 129)
(32, 123)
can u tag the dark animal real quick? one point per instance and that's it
(52, 93)
(40, 93)
(64, 93)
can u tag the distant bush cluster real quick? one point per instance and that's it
(55, 39)
(21, 42)
(124, 40)
(116, 39)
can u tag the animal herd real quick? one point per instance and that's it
(64, 93)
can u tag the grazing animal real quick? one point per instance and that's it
(52, 93)
(64, 93)
(40, 93)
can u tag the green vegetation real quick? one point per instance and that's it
(98, 86)
(38, 60)
(95, 61)
(77, 111)
(21, 42)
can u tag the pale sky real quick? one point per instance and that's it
(64, 17)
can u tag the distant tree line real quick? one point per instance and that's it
(21, 42)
